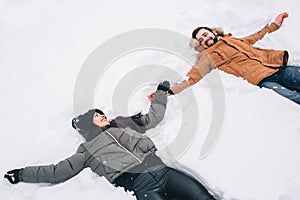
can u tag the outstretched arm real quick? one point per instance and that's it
(157, 108)
(58, 173)
(268, 29)
(196, 73)
(143, 122)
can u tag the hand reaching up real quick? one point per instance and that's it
(164, 86)
(150, 96)
(279, 19)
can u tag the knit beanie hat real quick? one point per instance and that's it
(99, 111)
(85, 126)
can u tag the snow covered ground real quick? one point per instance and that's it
(44, 44)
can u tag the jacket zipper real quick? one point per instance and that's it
(140, 161)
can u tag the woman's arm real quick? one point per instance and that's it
(58, 173)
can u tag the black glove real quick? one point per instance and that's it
(165, 86)
(13, 176)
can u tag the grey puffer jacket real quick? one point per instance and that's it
(112, 152)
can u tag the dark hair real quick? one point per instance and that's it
(198, 29)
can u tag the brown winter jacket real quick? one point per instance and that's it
(237, 56)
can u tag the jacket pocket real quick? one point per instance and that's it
(145, 145)
(228, 63)
(219, 58)
(236, 69)
(114, 163)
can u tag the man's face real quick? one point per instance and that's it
(100, 120)
(206, 38)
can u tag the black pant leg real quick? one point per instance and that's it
(181, 186)
(149, 195)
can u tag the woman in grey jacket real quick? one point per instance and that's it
(119, 151)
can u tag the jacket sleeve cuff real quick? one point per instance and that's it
(273, 27)
(20, 174)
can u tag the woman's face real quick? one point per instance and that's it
(100, 120)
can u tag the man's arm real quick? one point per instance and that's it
(177, 88)
(58, 173)
(204, 66)
(268, 29)
(193, 77)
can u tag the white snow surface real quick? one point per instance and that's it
(43, 45)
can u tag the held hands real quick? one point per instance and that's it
(279, 19)
(13, 176)
(150, 96)
(164, 86)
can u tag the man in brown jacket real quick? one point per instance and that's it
(263, 67)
